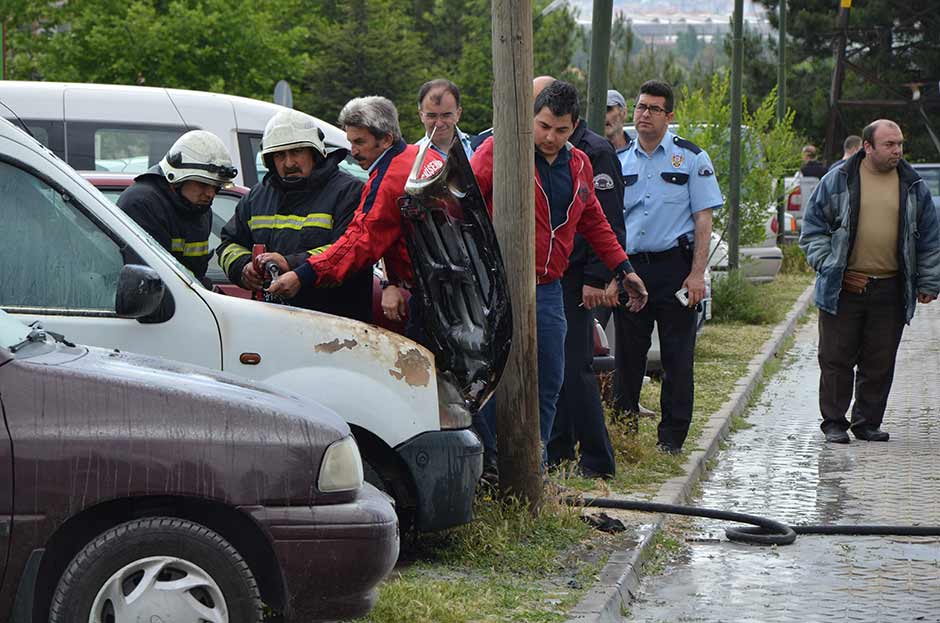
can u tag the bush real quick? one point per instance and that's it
(794, 260)
(735, 299)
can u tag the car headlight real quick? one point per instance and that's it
(341, 469)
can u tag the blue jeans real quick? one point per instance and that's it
(551, 328)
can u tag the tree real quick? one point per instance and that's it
(689, 44)
(894, 42)
(140, 42)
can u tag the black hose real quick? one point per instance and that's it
(764, 531)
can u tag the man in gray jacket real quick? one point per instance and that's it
(871, 232)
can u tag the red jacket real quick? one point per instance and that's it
(585, 216)
(376, 229)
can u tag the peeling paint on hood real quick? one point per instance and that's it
(413, 368)
(335, 345)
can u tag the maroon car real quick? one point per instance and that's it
(137, 489)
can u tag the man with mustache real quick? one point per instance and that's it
(172, 201)
(871, 232)
(371, 125)
(299, 210)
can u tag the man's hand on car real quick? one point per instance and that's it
(286, 286)
(393, 303)
(925, 298)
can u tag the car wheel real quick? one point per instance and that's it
(157, 569)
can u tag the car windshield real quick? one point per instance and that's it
(12, 331)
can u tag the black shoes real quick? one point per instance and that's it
(838, 436)
(668, 448)
(869, 433)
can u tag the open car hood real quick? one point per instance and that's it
(459, 272)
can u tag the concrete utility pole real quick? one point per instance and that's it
(600, 58)
(517, 400)
(781, 109)
(734, 186)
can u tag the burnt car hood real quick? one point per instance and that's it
(459, 274)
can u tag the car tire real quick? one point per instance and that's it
(127, 574)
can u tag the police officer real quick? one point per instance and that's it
(439, 109)
(300, 208)
(670, 191)
(172, 201)
(579, 417)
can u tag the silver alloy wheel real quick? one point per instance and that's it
(159, 588)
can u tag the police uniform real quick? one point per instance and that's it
(661, 193)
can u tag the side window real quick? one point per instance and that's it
(252, 165)
(119, 148)
(53, 256)
(130, 151)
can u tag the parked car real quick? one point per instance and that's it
(63, 249)
(138, 489)
(121, 128)
(798, 190)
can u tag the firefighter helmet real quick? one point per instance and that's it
(200, 156)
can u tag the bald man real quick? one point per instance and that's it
(871, 232)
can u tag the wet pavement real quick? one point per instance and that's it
(782, 468)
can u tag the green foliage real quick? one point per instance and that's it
(194, 45)
(794, 260)
(735, 299)
(769, 149)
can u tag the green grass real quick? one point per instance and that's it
(509, 565)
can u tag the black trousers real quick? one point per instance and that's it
(858, 347)
(663, 275)
(579, 415)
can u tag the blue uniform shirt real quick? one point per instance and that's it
(662, 191)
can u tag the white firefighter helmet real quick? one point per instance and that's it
(289, 129)
(200, 156)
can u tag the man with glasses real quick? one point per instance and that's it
(669, 194)
(172, 201)
(300, 208)
(439, 109)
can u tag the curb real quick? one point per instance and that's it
(620, 578)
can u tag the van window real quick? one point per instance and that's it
(253, 169)
(128, 148)
(53, 256)
(131, 151)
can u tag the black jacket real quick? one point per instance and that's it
(298, 224)
(608, 186)
(179, 226)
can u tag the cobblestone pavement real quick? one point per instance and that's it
(782, 468)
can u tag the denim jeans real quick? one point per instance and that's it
(550, 333)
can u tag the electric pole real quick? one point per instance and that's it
(517, 400)
(734, 188)
(600, 58)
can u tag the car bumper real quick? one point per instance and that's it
(332, 556)
(445, 466)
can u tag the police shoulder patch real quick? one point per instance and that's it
(686, 144)
(705, 171)
(602, 181)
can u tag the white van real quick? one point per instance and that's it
(103, 127)
(74, 261)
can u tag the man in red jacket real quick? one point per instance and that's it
(371, 125)
(565, 204)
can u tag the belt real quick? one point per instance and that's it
(648, 257)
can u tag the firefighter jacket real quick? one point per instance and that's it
(300, 224)
(584, 216)
(179, 226)
(376, 231)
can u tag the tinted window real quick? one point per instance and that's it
(131, 150)
(931, 175)
(53, 256)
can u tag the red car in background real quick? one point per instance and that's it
(223, 207)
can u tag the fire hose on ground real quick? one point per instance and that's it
(760, 530)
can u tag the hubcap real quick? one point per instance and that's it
(159, 589)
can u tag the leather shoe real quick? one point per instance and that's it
(644, 412)
(869, 433)
(838, 436)
(668, 449)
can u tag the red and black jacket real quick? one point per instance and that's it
(553, 246)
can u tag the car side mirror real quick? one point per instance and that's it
(140, 290)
